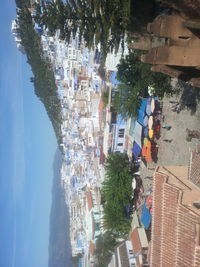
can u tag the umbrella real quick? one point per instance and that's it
(148, 152)
(145, 141)
(150, 122)
(136, 149)
(150, 133)
(145, 121)
(138, 133)
(152, 105)
(145, 132)
(144, 150)
(148, 108)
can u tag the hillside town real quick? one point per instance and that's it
(91, 131)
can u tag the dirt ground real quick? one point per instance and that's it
(178, 151)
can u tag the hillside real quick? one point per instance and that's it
(43, 76)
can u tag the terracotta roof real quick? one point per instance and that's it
(173, 233)
(83, 78)
(197, 257)
(135, 241)
(89, 200)
(194, 172)
(91, 248)
(101, 105)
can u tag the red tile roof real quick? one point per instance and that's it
(89, 200)
(101, 105)
(135, 239)
(173, 232)
(83, 78)
(194, 171)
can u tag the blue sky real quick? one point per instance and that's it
(27, 148)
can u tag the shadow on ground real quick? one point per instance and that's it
(190, 96)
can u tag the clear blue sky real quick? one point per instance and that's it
(27, 147)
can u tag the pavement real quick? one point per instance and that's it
(178, 151)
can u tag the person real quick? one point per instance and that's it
(168, 140)
(166, 127)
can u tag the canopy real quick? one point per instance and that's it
(152, 105)
(145, 132)
(144, 149)
(146, 217)
(150, 133)
(141, 111)
(148, 107)
(146, 152)
(150, 122)
(145, 121)
(138, 134)
(136, 149)
(145, 141)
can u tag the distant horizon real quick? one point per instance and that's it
(28, 145)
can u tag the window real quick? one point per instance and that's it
(121, 133)
(120, 144)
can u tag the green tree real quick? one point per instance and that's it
(104, 248)
(101, 22)
(126, 100)
(117, 192)
(105, 96)
(43, 80)
(135, 77)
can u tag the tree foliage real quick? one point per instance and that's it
(105, 245)
(101, 22)
(117, 193)
(135, 77)
(43, 80)
(105, 97)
